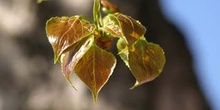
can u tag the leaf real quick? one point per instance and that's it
(146, 61)
(109, 7)
(123, 26)
(63, 32)
(70, 58)
(95, 68)
(112, 25)
(104, 42)
(122, 47)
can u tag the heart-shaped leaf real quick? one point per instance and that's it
(124, 26)
(70, 58)
(95, 68)
(65, 31)
(80, 47)
(146, 61)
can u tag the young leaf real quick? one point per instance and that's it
(81, 47)
(146, 61)
(95, 68)
(65, 31)
(109, 7)
(123, 26)
(112, 25)
(122, 47)
(104, 42)
(70, 58)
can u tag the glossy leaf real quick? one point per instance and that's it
(112, 25)
(146, 61)
(65, 31)
(95, 68)
(70, 58)
(123, 26)
(80, 47)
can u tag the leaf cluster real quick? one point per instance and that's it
(82, 47)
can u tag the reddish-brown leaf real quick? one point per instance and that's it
(104, 42)
(146, 61)
(120, 25)
(65, 31)
(95, 68)
(70, 58)
(109, 7)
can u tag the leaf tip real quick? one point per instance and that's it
(95, 97)
(56, 59)
(70, 82)
(73, 87)
(135, 85)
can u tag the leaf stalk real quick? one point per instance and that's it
(96, 13)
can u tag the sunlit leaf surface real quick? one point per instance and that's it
(146, 61)
(95, 68)
(65, 31)
(81, 48)
(122, 47)
(70, 58)
(112, 25)
(120, 25)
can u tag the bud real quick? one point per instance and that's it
(108, 7)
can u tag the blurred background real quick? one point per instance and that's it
(187, 30)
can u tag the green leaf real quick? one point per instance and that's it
(146, 61)
(70, 58)
(95, 68)
(112, 25)
(63, 32)
(122, 47)
(123, 26)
